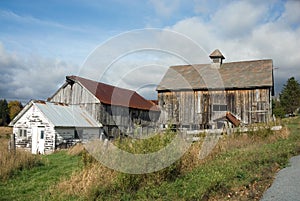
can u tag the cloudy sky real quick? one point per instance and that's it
(43, 41)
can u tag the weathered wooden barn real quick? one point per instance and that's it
(42, 127)
(119, 110)
(199, 96)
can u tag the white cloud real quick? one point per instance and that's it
(292, 14)
(237, 19)
(202, 33)
(32, 77)
(165, 8)
(241, 31)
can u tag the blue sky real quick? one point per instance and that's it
(43, 41)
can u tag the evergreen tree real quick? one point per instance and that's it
(278, 110)
(4, 113)
(290, 96)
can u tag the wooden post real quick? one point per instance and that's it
(12, 143)
(183, 133)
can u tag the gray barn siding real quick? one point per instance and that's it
(110, 116)
(194, 109)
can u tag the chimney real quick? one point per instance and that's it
(217, 58)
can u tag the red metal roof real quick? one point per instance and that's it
(112, 95)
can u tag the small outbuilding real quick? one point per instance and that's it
(42, 127)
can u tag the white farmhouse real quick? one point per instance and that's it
(42, 127)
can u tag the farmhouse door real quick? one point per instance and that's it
(38, 140)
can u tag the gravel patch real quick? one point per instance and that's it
(286, 186)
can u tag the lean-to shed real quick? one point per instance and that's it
(199, 96)
(42, 127)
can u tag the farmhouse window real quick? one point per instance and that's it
(42, 135)
(219, 107)
(22, 133)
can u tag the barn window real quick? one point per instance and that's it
(199, 103)
(261, 105)
(78, 133)
(219, 107)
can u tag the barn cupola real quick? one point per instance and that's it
(217, 58)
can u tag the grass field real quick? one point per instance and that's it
(28, 177)
(33, 184)
(12, 162)
(241, 167)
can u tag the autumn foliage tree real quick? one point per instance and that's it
(8, 110)
(14, 108)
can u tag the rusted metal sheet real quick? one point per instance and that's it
(230, 117)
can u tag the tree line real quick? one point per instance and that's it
(8, 111)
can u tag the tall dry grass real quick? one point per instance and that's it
(10, 162)
(262, 135)
(95, 179)
(82, 184)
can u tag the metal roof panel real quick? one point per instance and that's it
(61, 115)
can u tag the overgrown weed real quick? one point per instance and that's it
(239, 165)
(14, 161)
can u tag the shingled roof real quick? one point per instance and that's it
(216, 54)
(243, 74)
(112, 95)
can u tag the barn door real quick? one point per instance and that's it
(206, 110)
(38, 140)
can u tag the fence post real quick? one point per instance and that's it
(183, 133)
(12, 143)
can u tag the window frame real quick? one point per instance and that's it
(219, 107)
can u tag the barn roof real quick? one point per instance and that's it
(243, 74)
(61, 115)
(112, 95)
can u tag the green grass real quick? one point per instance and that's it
(233, 169)
(33, 184)
(249, 167)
